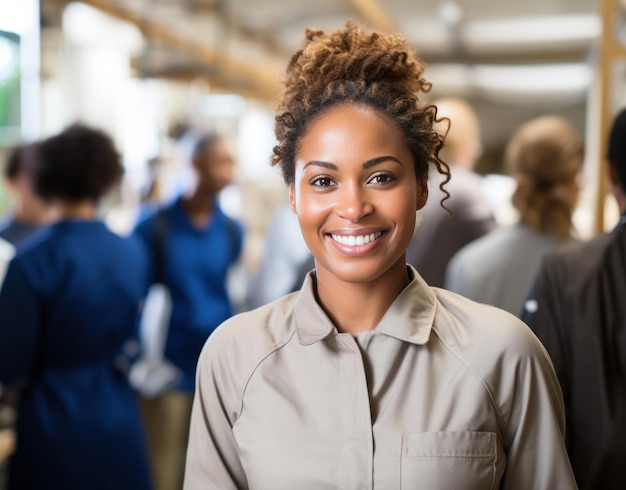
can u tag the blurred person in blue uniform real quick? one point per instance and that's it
(545, 157)
(30, 214)
(69, 303)
(199, 244)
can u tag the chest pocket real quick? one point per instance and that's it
(449, 460)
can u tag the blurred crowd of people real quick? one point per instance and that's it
(71, 305)
(73, 292)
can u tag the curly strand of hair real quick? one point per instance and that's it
(442, 167)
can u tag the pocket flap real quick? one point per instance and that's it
(450, 444)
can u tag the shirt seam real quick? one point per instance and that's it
(482, 380)
(274, 348)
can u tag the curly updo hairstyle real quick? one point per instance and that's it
(545, 156)
(78, 164)
(371, 70)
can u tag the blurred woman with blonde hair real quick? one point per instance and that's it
(544, 157)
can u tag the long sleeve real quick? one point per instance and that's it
(212, 455)
(534, 423)
(19, 326)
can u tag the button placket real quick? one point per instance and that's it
(356, 465)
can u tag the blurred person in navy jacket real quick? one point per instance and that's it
(69, 303)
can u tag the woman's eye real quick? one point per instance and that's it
(322, 182)
(381, 179)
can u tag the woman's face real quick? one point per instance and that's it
(216, 167)
(356, 194)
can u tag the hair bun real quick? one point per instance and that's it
(355, 56)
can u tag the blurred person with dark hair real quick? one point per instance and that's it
(30, 213)
(69, 303)
(545, 157)
(441, 234)
(199, 243)
(577, 309)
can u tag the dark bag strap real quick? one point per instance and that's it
(161, 223)
(233, 236)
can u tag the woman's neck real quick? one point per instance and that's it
(35, 215)
(83, 210)
(199, 207)
(357, 307)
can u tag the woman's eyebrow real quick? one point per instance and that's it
(320, 163)
(377, 160)
(366, 165)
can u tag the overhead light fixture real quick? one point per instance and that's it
(450, 12)
(534, 79)
(540, 31)
(222, 105)
(514, 84)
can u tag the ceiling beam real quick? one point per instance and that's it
(189, 73)
(264, 81)
(547, 56)
(374, 14)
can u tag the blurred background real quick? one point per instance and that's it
(150, 72)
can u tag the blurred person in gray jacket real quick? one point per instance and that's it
(440, 235)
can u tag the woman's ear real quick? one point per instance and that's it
(422, 193)
(292, 198)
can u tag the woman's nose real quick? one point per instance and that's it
(353, 203)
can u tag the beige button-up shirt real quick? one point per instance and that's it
(444, 393)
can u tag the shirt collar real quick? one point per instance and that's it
(409, 318)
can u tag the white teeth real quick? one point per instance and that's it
(352, 240)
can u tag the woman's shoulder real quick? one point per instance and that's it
(248, 338)
(484, 336)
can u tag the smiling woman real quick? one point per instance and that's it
(355, 179)
(369, 378)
